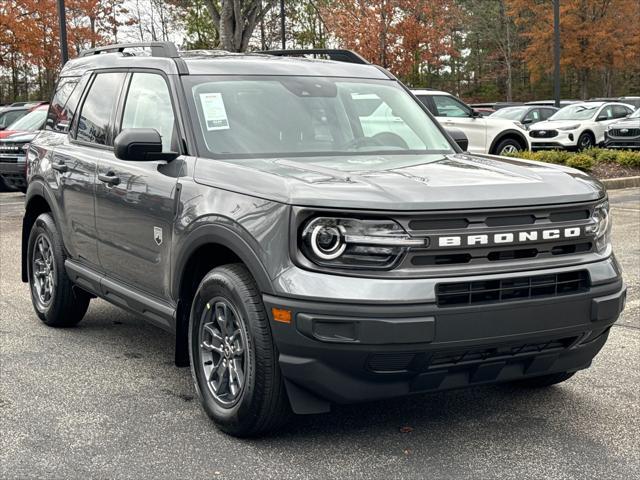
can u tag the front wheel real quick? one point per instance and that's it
(508, 146)
(54, 298)
(234, 361)
(585, 141)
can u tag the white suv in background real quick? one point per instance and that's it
(486, 134)
(577, 126)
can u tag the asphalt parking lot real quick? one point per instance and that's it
(104, 400)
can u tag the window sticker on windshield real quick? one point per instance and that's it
(215, 115)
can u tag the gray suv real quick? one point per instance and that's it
(309, 232)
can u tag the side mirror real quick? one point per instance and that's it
(475, 113)
(602, 118)
(142, 145)
(459, 137)
(527, 121)
(2, 127)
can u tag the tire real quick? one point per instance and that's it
(508, 145)
(586, 140)
(545, 380)
(65, 306)
(259, 403)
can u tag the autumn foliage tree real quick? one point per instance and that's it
(597, 38)
(400, 35)
(30, 41)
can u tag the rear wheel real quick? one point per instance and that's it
(545, 380)
(54, 298)
(234, 361)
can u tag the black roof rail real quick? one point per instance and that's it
(337, 55)
(158, 49)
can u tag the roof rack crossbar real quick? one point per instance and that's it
(337, 55)
(158, 49)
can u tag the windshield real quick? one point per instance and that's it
(510, 113)
(269, 116)
(576, 112)
(31, 121)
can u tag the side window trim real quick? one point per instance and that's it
(117, 124)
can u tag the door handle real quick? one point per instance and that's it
(59, 166)
(110, 178)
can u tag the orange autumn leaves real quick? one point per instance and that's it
(397, 34)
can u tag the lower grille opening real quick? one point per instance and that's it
(495, 291)
(390, 362)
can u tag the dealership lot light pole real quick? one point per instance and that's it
(64, 52)
(556, 52)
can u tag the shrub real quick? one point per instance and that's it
(584, 160)
(607, 155)
(629, 158)
(581, 161)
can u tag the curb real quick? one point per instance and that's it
(622, 182)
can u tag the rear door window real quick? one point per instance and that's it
(95, 123)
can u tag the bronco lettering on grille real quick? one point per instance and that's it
(506, 238)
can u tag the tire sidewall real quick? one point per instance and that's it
(220, 284)
(44, 226)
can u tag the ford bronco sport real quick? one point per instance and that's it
(309, 232)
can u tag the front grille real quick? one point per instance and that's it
(624, 132)
(489, 223)
(509, 289)
(543, 133)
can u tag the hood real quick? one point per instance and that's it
(401, 182)
(626, 123)
(554, 124)
(501, 123)
(19, 137)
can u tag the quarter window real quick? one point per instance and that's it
(148, 105)
(57, 118)
(94, 123)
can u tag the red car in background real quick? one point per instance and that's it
(13, 141)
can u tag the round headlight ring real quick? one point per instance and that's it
(335, 247)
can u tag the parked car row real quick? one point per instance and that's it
(538, 125)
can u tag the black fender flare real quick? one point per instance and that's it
(222, 235)
(36, 188)
(509, 133)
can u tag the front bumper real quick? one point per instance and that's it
(13, 170)
(351, 352)
(562, 141)
(621, 142)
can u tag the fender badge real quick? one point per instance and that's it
(157, 235)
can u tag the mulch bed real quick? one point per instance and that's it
(613, 170)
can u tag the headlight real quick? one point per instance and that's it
(570, 127)
(355, 243)
(601, 229)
